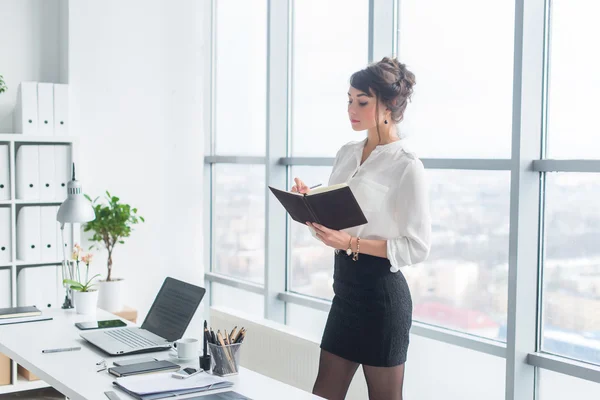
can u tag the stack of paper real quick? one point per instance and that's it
(158, 386)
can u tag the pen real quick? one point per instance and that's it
(61, 350)
(205, 341)
(312, 187)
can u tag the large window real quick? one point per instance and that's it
(571, 291)
(239, 215)
(240, 72)
(574, 81)
(330, 42)
(239, 111)
(463, 284)
(461, 53)
(571, 268)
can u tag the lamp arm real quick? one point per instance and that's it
(64, 251)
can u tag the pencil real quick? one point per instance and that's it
(225, 350)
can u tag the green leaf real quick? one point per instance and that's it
(142, 218)
(87, 197)
(71, 282)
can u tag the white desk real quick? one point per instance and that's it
(74, 373)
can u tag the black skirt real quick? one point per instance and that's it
(371, 312)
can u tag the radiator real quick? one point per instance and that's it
(279, 352)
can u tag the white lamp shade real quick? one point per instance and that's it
(76, 208)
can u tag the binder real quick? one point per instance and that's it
(27, 173)
(5, 289)
(28, 234)
(5, 242)
(4, 173)
(45, 109)
(62, 167)
(38, 286)
(47, 174)
(48, 232)
(61, 110)
(26, 110)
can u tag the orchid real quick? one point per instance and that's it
(78, 284)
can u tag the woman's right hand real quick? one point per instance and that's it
(300, 186)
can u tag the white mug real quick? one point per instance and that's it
(186, 348)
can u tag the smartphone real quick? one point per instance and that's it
(111, 323)
(186, 373)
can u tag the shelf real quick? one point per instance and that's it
(20, 138)
(22, 385)
(3, 265)
(20, 263)
(5, 202)
(38, 202)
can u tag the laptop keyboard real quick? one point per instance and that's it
(130, 338)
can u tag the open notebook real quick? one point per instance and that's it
(334, 206)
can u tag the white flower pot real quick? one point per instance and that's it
(111, 295)
(85, 302)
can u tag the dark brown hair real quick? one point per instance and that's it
(390, 81)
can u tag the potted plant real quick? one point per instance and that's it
(84, 295)
(113, 223)
(2, 85)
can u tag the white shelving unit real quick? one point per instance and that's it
(15, 266)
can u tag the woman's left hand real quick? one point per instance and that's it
(332, 238)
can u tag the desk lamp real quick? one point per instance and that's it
(75, 209)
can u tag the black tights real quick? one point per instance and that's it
(336, 373)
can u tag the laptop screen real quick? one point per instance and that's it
(173, 309)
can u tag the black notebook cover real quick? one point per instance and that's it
(335, 209)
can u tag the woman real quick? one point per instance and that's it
(371, 312)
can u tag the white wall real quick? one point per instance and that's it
(135, 70)
(29, 39)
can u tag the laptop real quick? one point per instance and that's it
(166, 322)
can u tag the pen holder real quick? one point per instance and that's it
(224, 359)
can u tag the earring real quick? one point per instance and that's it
(385, 122)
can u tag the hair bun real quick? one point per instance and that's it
(404, 78)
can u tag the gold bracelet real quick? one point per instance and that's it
(349, 249)
(355, 256)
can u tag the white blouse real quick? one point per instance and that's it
(391, 189)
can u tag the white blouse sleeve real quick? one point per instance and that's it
(412, 214)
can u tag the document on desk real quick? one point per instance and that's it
(158, 386)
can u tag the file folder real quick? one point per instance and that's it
(5, 289)
(4, 173)
(48, 238)
(45, 109)
(47, 174)
(62, 168)
(38, 286)
(61, 110)
(28, 234)
(5, 242)
(26, 110)
(27, 173)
